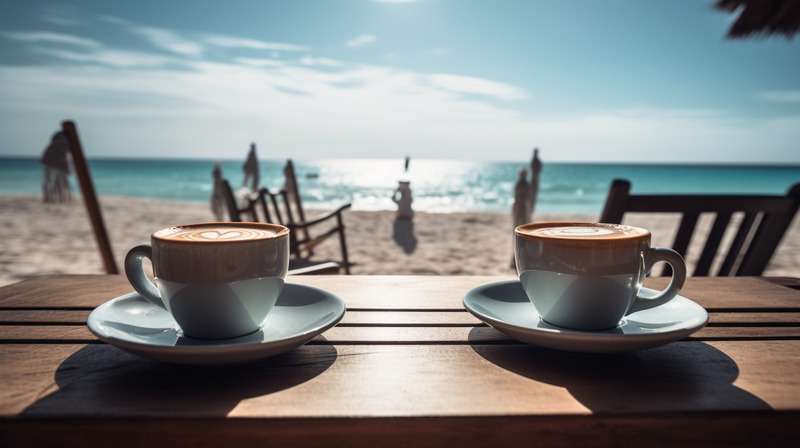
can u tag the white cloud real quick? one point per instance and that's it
(48, 37)
(238, 42)
(305, 110)
(327, 62)
(169, 41)
(360, 41)
(259, 62)
(781, 96)
(162, 38)
(477, 86)
(114, 58)
(355, 111)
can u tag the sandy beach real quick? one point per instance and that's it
(41, 239)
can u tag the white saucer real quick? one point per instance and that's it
(132, 323)
(504, 306)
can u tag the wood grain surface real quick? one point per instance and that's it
(407, 365)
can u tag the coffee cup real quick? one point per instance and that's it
(218, 280)
(588, 276)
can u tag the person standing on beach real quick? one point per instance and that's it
(217, 200)
(520, 210)
(290, 181)
(536, 168)
(251, 170)
(55, 185)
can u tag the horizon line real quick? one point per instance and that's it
(544, 160)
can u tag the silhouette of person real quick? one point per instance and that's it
(536, 168)
(289, 180)
(520, 209)
(251, 170)
(402, 197)
(55, 159)
(217, 199)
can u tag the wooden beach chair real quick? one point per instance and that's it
(766, 219)
(274, 208)
(294, 200)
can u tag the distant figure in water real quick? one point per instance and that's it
(536, 168)
(251, 170)
(521, 209)
(402, 197)
(55, 185)
(408, 162)
(217, 200)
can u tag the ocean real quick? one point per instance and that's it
(437, 185)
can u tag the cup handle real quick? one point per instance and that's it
(652, 256)
(136, 276)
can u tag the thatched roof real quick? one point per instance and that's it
(766, 17)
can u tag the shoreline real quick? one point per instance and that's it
(41, 239)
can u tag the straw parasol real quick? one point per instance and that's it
(767, 17)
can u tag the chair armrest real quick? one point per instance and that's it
(321, 218)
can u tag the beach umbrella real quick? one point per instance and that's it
(768, 17)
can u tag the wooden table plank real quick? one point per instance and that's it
(390, 335)
(401, 380)
(44, 316)
(735, 429)
(409, 364)
(395, 318)
(395, 292)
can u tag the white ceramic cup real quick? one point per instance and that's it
(218, 280)
(588, 276)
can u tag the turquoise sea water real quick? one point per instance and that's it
(438, 185)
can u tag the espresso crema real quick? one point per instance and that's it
(217, 233)
(581, 231)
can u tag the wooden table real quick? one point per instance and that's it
(406, 366)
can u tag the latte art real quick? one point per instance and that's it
(212, 233)
(581, 231)
(574, 231)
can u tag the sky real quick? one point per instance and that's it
(633, 81)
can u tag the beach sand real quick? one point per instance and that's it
(41, 239)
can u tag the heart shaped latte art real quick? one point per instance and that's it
(215, 235)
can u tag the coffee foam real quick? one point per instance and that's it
(582, 231)
(214, 233)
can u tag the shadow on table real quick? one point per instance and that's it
(102, 380)
(678, 376)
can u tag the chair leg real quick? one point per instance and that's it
(294, 247)
(343, 243)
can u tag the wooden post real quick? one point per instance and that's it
(89, 197)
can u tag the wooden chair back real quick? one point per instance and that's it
(274, 207)
(293, 198)
(766, 219)
(90, 197)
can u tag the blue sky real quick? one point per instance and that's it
(583, 80)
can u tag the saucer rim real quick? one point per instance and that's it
(215, 348)
(590, 335)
